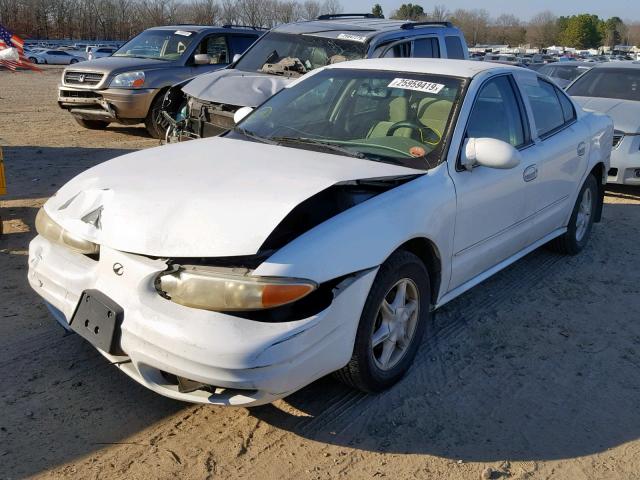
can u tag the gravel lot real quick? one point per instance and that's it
(533, 374)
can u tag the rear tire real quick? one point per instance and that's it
(389, 321)
(91, 124)
(581, 222)
(155, 127)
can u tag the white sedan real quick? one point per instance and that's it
(55, 57)
(613, 88)
(319, 235)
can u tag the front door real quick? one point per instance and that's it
(492, 204)
(216, 47)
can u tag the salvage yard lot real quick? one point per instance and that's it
(534, 373)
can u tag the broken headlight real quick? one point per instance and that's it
(224, 289)
(53, 232)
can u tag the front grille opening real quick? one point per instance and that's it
(613, 172)
(79, 94)
(186, 385)
(82, 78)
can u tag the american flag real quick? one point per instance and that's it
(8, 40)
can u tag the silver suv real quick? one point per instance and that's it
(128, 87)
(205, 106)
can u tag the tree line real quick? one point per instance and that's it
(121, 19)
(544, 29)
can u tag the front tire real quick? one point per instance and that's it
(153, 123)
(581, 222)
(72, 61)
(393, 321)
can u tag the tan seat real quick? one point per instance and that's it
(398, 112)
(434, 113)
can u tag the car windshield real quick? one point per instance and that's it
(294, 55)
(564, 72)
(621, 83)
(157, 44)
(394, 117)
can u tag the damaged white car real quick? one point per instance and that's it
(320, 234)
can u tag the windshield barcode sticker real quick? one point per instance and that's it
(418, 85)
(348, 36)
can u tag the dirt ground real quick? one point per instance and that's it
(534, 374)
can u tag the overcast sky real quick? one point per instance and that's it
(626, 9)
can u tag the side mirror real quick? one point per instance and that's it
(489, 152)
(202, 59)
(236, 57)
(241, 113)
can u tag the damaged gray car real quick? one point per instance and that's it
(205, 106)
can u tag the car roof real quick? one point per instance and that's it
(366, 27)
(201, 28)
(620, 64)
(570, 63)
(436, 66)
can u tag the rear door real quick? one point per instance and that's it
(561, 148)
(492, 204)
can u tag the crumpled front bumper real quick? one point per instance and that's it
(250, 362)
(111, 104)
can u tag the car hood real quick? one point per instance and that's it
(235, 87)
(625, 113)
(121, 64)
(214, 197)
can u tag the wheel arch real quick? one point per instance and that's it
(598, 171)
(427, 251)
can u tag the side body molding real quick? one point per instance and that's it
(365, 235)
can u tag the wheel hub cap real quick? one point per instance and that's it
(395, 324)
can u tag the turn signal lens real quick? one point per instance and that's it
(53, 232)
(224, 289)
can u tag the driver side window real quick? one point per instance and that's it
(216, 47)
(497, 114)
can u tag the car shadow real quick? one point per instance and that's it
(539, 362)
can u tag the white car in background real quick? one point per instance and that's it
(100, 52)
(613, 88)
(320, 233)
(55, 57)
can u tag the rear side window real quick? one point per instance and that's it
(567, 107)
(546, 107)
(239, 43)
(454, 47)
(401, 50)
(496, 113)
(426, 48)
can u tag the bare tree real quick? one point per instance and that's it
(542, 30)
(331, 7)
(473, 23)
(440, 13)
(310, 9)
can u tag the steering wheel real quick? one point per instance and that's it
(426, 134)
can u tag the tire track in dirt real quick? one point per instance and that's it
(450, 322)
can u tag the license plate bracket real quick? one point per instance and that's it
(98, 319)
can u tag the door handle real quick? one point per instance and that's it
(530, 173)
(581, 149)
